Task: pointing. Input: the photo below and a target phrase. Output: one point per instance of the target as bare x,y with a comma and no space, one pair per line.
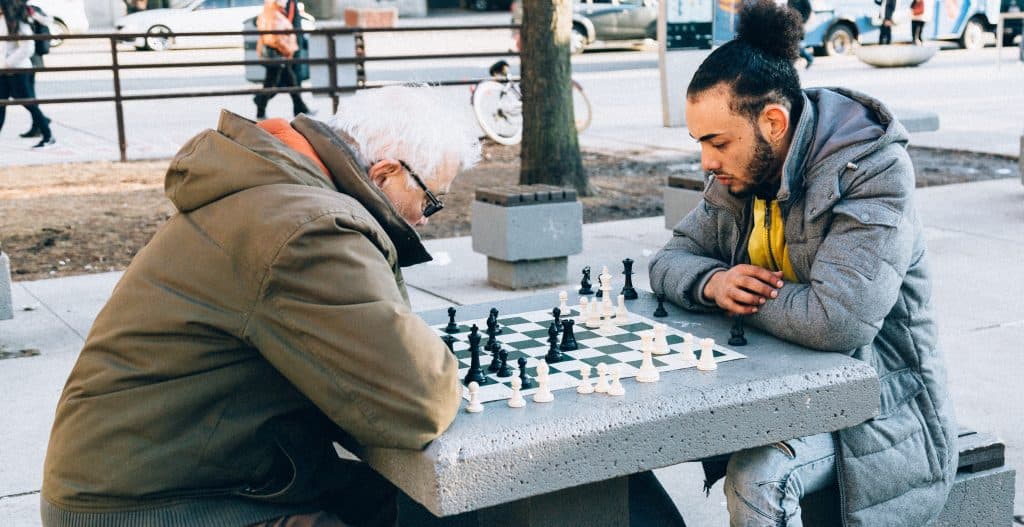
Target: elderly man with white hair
265,320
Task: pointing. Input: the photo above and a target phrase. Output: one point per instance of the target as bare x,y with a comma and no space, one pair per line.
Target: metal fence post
122,143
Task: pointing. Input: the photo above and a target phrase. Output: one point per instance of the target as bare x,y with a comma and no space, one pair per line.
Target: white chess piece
687,354
593,320
707,355
647,372
585,386
602,378
543,394
563,302
616,388
584,310
621,313
607,307
607,324
659,345
516,401
474,405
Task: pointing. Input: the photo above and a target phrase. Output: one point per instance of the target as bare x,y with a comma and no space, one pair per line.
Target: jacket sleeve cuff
698,291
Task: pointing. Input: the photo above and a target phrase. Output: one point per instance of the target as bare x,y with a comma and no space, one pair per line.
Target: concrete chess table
568,461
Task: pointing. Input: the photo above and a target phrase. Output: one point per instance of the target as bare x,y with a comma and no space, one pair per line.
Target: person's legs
764,485
917,27
19,89
650,505
270,80
807,56
884,35
5,93
34,131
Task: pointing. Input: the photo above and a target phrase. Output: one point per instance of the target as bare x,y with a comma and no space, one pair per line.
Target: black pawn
554,355
450,342
497,326
585,286
475,373
557,315
568,337
660,311
504,370
736,337
495,359
523,376
452,327
627,290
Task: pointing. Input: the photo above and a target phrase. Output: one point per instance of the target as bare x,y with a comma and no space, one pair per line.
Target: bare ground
62,220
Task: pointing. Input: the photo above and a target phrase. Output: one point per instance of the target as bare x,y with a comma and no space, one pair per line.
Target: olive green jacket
273,295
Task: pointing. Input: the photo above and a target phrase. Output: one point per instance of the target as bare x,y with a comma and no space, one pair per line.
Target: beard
763,169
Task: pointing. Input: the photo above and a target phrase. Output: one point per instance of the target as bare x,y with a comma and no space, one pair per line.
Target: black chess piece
736,337
556,313
627,290
585,286
450,342
660,311
492,332
495,359
475,373
452,327
554,355
523,376
568,336
504,370
497,326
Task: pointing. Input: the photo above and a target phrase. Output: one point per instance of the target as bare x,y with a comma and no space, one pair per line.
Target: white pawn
563,302
607,324
585,386
660,345
584,310
543,394
516,401
474,405
621,313
707,355
602,378
647,372
616,388
687,354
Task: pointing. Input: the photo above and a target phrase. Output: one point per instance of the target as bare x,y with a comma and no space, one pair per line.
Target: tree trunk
550,148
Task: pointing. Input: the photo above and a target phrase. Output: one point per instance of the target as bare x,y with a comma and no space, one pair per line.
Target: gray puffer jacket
856,244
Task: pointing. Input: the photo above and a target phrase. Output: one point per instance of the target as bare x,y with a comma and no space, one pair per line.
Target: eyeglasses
433,205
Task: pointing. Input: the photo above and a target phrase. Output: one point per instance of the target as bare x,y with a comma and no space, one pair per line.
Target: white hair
412,123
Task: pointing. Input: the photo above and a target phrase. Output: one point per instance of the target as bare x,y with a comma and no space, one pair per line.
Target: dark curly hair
758,63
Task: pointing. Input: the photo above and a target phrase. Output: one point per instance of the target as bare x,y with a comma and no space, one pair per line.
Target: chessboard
526,335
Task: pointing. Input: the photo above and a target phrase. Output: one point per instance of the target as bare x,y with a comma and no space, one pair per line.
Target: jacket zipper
767,234
839,479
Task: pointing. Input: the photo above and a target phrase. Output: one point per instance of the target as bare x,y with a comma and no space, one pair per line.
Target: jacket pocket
867,242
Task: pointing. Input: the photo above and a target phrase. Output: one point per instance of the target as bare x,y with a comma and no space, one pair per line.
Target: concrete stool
895,56
982,494
6,305
527,233
681,195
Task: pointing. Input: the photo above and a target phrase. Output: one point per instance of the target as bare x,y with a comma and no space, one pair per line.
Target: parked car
68,17
593,21
161,25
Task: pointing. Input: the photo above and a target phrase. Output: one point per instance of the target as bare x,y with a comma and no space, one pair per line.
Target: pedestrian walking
886,9
14,20
918,17
279,15
38,19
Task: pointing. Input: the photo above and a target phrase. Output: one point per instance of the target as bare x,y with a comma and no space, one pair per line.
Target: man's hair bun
774,29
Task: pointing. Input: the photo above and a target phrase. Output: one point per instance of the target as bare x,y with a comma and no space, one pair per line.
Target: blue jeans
763,485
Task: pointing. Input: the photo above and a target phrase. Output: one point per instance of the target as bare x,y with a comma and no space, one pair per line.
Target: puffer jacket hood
239,155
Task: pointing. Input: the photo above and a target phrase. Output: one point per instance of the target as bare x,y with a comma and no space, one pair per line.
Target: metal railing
331,61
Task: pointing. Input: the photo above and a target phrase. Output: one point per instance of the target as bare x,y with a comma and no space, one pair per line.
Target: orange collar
283,131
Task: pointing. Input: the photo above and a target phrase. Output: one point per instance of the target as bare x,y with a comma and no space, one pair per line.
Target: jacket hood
239,155
837,126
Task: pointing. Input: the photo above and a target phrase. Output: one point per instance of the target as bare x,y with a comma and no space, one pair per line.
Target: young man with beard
808,229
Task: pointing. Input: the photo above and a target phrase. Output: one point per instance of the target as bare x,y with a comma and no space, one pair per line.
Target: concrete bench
6,305
527,233
681,195
982,494
895,56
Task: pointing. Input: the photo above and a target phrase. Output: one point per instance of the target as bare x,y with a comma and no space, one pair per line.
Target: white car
68,17
192,16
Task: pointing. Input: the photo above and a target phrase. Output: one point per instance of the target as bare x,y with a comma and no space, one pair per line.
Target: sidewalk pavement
976,246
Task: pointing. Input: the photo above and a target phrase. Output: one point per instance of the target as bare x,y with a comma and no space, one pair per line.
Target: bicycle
498,106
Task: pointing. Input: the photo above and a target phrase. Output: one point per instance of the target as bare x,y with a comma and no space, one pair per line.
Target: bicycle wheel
499,112
580,107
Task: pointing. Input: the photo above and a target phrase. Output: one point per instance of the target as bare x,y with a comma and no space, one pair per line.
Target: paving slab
75,300
20,511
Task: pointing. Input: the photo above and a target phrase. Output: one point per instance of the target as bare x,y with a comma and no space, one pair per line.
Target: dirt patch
62,220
